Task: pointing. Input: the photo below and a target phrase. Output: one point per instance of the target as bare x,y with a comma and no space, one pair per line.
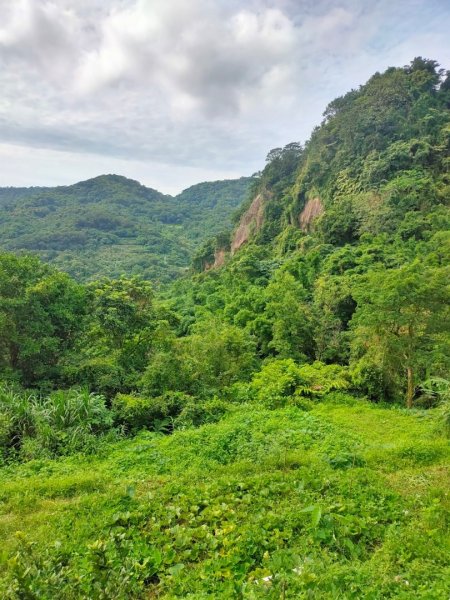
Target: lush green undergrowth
346,500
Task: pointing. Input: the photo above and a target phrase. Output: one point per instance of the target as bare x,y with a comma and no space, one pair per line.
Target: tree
332,309
215,356
113,349
401,323
41,311
290,316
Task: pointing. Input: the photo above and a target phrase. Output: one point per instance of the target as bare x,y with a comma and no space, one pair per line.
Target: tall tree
401,323
41,311
290,316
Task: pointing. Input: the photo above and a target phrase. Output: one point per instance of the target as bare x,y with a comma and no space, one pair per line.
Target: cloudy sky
173,92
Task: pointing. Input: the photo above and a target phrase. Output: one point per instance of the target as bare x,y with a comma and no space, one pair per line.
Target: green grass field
348,500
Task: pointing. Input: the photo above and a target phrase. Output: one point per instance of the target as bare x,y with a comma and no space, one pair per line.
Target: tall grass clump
437,390
64,422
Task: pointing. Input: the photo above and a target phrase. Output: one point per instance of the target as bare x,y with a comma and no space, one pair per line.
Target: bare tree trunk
410,390
13,355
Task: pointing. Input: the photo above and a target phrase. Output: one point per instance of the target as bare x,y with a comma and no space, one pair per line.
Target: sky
174,92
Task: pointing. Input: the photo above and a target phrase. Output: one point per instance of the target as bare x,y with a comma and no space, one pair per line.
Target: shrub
283,381
320,379
275,383
72,408
136,412
69,421
17,420
370,380
64,422
99,373
195,414
438,389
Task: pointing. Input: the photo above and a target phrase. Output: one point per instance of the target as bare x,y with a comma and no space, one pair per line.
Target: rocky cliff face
251,221
219,258
312,210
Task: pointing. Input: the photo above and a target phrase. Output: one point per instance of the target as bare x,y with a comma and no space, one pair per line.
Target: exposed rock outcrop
313,209
219,260
251,221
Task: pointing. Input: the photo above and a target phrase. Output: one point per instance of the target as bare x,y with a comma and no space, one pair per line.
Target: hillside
274,425
341,253
111,225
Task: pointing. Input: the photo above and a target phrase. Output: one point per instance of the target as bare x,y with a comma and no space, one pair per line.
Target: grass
344,501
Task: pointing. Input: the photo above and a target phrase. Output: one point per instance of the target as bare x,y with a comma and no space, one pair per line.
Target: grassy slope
353,497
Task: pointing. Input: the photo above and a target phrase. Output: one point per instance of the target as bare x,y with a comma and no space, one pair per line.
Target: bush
64,422
135,413
275,383
282,382
195,414
213,357
439,389
99,373
17,420
370,380
320,379
70,421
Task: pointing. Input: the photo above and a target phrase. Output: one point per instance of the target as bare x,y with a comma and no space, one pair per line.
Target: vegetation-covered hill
343,254
111,225
274,426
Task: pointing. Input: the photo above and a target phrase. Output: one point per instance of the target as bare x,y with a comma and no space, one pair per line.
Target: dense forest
111,225
272,424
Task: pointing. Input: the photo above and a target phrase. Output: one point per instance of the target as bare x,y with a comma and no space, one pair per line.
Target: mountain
342,253
112,225
377,165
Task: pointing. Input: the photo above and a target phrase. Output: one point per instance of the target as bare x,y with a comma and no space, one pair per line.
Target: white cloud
198,55
42,35
46,167
204,84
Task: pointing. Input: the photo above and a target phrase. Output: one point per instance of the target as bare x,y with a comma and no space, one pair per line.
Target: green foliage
281,166
118,332
196,413
349,287
438,390
282,381
276,383
135,413
277,480
40,315
290,317
399,322
213,357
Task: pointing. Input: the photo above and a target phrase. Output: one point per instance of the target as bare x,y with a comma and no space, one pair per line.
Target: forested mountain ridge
111,225
334,229
378,150
274,425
